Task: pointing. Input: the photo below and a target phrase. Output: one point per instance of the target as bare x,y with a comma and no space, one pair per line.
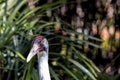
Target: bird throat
40,54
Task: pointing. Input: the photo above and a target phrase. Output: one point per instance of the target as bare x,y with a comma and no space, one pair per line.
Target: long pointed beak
32,52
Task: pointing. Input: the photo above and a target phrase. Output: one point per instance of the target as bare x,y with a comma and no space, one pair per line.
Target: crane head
40,44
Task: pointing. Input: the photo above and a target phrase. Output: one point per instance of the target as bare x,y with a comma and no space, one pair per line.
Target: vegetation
64,25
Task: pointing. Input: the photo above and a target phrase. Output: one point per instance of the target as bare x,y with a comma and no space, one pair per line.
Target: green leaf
54,74
20,55
68,71
12,16
85,70
30,69
35,75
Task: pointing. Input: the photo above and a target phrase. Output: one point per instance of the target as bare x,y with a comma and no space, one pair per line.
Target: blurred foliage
20,23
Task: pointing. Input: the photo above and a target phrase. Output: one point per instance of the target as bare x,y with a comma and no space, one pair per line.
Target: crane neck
43,66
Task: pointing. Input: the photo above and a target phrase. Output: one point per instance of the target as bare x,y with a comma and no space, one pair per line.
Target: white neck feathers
43,66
